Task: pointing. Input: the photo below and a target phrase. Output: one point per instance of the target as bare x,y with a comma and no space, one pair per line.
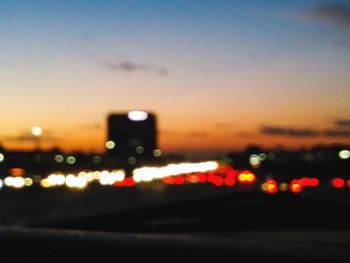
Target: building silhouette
132,136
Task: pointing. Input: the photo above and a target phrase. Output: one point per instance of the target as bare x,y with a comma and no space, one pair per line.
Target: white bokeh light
137,115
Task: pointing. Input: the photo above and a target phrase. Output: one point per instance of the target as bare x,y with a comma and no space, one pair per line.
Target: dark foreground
241,223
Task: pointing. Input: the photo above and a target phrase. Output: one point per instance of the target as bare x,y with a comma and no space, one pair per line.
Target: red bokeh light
168,180
231,172
120,184
338,182
270,186
304,181
296,186
179,180
192,178
314,182
202,178
129,182
211,178
230,180
218,181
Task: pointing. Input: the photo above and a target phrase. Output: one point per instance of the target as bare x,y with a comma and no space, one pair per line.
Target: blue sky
277,56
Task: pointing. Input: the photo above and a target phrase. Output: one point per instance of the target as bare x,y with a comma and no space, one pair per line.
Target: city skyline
219,76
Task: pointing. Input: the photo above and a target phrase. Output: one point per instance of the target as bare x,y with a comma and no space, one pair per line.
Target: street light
37,132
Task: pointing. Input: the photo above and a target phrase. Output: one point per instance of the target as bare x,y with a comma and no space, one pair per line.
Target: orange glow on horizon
202,138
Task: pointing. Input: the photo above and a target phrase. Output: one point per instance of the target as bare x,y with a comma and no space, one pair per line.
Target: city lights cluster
340,182
271,186
148,174
209,172
16,182
82,179
216,178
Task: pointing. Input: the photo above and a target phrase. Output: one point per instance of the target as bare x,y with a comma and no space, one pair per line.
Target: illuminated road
53,205
61,197
36,207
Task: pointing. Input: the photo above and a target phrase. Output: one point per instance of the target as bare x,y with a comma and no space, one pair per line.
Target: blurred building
132,136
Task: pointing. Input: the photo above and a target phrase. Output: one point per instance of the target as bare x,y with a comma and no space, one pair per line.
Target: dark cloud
305,132
128,66
288,131
337,133
333,14
342,123
29,137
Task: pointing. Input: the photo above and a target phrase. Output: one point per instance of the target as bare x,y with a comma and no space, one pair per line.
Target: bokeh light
37,131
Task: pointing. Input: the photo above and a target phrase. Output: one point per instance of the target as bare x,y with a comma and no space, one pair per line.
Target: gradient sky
219,74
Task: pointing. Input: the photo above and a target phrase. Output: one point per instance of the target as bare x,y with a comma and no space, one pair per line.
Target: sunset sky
219,74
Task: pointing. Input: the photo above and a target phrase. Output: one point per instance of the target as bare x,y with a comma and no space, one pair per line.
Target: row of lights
296,185
110,145
82,179
228,179
176,174
148,174
72,160
16,182
340,182
115,177
270,186
255,160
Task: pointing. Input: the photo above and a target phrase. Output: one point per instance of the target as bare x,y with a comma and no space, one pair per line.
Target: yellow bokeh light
28,181
45,183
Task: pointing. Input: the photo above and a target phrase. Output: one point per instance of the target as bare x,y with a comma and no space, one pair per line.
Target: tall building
132,136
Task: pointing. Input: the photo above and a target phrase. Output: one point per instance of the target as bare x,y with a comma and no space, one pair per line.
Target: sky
220,75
